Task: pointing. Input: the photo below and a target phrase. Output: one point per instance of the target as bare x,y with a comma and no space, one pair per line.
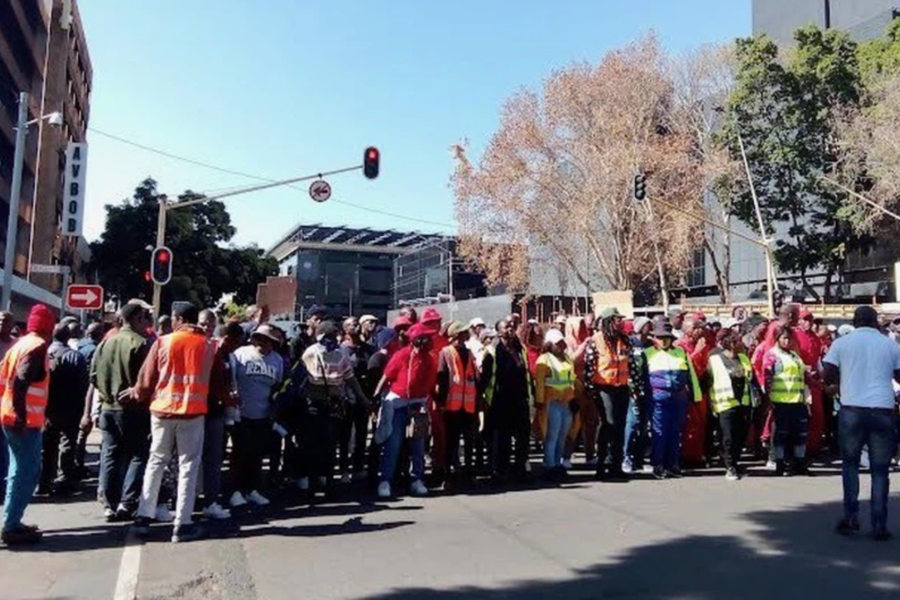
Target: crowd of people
357,400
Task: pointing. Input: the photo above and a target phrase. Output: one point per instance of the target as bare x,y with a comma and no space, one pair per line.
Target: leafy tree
786,116
203,268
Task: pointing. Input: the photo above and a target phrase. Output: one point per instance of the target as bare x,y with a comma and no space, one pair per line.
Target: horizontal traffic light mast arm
262,186
713,223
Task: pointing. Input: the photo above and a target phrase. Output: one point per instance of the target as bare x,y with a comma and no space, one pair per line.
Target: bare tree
559,171
702,79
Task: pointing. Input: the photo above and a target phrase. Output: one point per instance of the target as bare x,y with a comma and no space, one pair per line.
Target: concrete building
863,19
43,51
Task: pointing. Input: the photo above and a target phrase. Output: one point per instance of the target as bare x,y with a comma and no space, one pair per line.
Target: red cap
431,315
402,321
805,314
699,316
628,327
418,330
41,320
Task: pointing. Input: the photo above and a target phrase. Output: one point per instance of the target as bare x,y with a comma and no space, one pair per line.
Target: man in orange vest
175,380
457,394
24,382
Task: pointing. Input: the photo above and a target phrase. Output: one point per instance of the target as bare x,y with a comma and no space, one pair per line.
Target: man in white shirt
864,364
476,326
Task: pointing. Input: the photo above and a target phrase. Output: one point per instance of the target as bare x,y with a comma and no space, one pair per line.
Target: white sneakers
418,488
566,463
770,465
384,489
215,511
237,499
257,498
163,515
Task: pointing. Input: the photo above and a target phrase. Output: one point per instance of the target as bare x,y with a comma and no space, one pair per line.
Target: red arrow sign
84,297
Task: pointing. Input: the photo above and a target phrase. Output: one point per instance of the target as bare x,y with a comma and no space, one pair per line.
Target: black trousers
733,424
60,442
254,438
316,444
460,424
510,438
612,405
355,424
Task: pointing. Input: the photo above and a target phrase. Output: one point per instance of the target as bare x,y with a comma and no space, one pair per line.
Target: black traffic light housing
371,162
640,186
161,265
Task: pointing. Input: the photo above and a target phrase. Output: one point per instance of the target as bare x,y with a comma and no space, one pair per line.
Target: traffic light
161,265
640,186
371,160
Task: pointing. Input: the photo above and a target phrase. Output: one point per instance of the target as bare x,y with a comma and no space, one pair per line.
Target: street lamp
15,191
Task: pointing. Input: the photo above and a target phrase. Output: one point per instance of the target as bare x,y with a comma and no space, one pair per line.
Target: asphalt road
699,537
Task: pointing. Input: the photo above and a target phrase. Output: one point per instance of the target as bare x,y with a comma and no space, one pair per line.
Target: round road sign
320,190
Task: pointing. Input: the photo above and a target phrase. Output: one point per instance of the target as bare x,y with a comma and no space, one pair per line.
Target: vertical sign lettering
73,189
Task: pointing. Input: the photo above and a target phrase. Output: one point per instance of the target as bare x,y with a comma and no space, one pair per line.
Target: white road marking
129,569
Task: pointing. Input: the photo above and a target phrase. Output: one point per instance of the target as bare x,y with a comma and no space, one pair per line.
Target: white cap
554,336
477,322
845,329
560,320
367,318
640,323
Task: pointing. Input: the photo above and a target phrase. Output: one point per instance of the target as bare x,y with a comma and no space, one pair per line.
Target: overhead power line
213,167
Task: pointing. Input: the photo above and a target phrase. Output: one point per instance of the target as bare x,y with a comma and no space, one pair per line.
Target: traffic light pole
165,207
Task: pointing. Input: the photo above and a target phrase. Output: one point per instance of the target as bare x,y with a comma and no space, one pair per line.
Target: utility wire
257,178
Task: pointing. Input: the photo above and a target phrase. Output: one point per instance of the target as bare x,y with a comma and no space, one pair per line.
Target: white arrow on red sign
84,297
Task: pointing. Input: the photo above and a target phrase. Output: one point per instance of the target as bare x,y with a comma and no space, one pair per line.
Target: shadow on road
791,554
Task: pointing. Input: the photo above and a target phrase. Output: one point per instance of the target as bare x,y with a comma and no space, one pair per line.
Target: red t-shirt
411,375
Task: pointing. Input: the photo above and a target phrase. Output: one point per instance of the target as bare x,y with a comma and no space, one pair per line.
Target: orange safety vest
463,391
185,363
36,397
612,362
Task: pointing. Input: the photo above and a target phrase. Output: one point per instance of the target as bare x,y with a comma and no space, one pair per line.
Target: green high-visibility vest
721,395
788,385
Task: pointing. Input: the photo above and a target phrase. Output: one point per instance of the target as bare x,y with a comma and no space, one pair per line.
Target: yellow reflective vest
721,394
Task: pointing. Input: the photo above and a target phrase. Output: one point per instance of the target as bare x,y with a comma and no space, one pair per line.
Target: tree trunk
721,281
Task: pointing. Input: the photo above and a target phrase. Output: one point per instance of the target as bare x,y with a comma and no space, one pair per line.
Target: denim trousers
669,416
791,427
559,421
23,475
391,448
213,456
876,428
636,432
124,449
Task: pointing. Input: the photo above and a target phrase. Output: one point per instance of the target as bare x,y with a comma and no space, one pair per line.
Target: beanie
41,320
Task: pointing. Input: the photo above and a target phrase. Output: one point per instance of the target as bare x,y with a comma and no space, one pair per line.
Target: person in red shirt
411,377
697,342
809,348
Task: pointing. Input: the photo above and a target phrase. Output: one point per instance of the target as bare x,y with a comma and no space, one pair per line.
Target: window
696,274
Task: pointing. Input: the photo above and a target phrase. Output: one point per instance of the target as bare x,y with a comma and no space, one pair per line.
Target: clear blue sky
282,88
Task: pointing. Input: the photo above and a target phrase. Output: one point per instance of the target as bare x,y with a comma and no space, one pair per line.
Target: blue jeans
24,472
124,451
875,427
636,432
559,421
391,450
669,416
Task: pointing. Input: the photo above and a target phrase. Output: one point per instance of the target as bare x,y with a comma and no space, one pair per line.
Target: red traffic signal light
147,277
371,162
161,266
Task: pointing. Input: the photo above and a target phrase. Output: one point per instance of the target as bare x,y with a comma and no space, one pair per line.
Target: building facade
43,52
863,19
346,269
